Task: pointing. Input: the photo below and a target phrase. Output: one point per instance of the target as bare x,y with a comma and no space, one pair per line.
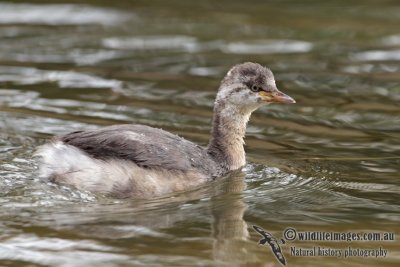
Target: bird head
249,86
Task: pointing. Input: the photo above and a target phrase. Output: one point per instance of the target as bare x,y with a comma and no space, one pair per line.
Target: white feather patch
68,164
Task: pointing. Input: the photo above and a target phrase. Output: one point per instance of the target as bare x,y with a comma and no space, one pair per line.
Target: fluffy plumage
141,161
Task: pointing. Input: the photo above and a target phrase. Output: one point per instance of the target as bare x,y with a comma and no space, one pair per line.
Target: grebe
140,161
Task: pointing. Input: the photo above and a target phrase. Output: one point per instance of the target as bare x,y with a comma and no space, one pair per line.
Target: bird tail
58,160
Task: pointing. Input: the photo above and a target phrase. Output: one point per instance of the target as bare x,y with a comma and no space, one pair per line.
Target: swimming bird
140,161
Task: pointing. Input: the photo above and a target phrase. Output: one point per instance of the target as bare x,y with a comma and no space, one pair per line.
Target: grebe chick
140,161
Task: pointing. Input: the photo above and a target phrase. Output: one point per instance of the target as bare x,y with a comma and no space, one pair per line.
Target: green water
328,163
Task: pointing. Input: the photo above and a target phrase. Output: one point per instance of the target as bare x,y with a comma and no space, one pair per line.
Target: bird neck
228,130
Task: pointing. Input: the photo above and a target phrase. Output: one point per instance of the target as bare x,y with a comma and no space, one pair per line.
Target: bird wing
276,249
146,146
261,231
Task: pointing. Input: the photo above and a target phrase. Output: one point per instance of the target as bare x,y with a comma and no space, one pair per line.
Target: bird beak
276,96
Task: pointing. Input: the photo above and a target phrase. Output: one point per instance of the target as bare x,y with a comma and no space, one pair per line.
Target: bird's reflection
151,218
229,230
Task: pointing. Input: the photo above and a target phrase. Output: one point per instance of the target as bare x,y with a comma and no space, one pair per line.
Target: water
328,163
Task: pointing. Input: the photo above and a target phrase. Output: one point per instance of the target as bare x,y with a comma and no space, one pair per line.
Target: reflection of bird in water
273,242
141,161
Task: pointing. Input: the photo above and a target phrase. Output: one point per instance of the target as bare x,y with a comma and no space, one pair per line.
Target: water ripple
58,252
186,43
43,125
267,47
64,79
377,55
392,40
60,14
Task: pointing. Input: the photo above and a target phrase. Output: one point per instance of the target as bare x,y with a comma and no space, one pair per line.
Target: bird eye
255,88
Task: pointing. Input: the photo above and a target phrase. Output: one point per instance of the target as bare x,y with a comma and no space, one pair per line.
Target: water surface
328,163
